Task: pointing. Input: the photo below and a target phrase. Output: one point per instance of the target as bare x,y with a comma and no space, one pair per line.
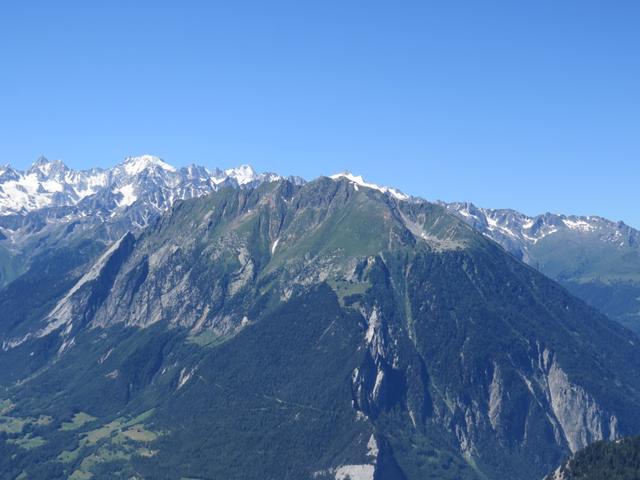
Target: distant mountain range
148,179
48,202
234,325
596,259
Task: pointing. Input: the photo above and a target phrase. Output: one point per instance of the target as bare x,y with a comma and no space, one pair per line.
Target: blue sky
529,105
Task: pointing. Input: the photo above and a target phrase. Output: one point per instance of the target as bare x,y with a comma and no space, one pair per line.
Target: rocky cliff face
579,416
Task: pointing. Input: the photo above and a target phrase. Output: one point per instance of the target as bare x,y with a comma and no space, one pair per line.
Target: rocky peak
136,165
45,168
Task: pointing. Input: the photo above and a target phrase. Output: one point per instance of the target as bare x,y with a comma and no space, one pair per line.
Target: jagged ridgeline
305,331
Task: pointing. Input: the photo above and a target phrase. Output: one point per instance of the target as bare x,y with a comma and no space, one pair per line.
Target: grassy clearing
92,437
208,338
80,475
103,455
78,421
42,420
111,442
139,419
28,442
11,425
203,338
69,456
344,288
140,434
117,428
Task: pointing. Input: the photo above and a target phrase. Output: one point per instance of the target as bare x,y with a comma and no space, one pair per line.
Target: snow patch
52,186
128,195
372,447
578,225
357,180
185,376
273,247
355,472
360,416
378,384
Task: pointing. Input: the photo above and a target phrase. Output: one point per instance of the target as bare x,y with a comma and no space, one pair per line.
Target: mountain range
596,259
224,324
49,201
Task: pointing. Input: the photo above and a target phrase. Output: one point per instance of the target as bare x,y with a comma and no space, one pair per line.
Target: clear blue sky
531,105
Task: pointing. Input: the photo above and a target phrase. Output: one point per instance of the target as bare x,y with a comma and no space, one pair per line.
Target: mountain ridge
595,258
245,174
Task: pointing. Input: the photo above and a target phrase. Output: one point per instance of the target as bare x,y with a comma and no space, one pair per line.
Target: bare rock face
558,474
93,288
581,418
496,394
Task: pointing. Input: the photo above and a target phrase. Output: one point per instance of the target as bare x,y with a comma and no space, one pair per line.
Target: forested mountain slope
322,330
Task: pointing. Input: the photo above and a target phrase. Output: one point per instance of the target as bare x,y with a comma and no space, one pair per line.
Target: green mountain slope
606,275
596,259
315,331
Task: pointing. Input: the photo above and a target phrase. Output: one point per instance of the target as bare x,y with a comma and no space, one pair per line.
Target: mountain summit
358,181
135,165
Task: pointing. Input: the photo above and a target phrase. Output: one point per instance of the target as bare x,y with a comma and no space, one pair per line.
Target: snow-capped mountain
45,184
49,183
50,204
145,179
146,185
597,259
519,233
